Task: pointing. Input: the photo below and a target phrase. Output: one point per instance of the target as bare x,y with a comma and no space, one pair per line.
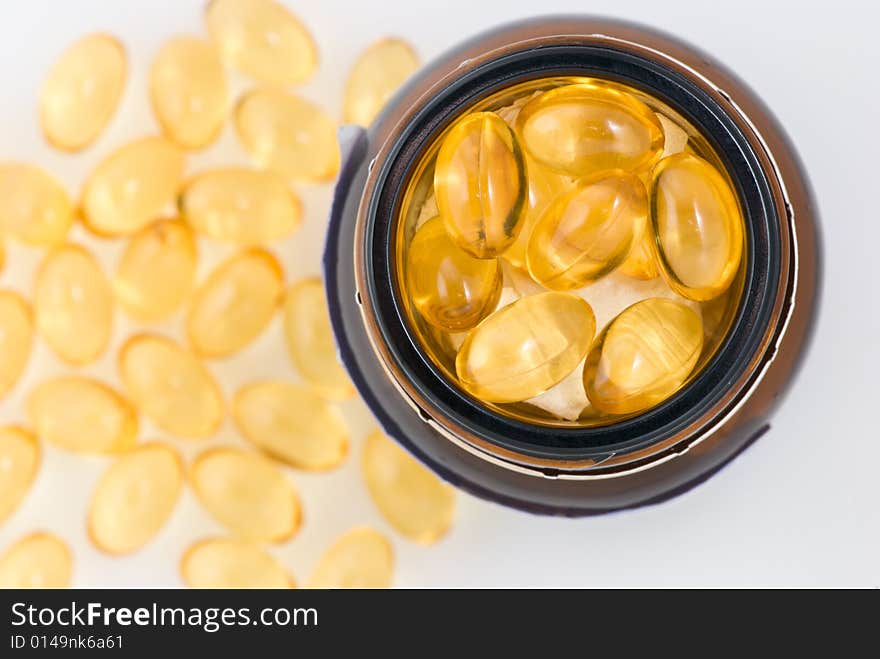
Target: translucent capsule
588,231
73,305
643,356
525,348
134,498
80,414
220,563
247,493
171,386
240,205
34,208
82,91
698,226
586,128
288,135
379,71
19,461
450,288
156,271
361,558
641,263
235,304
292,424
16,338
188,91
132,186
310,342
480,184
262,39
39,560
412,499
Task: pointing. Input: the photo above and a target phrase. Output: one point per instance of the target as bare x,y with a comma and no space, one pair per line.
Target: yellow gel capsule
188,91
247,493
80,414
587,232
379,71
360,558
262,39
292,424
16,338
134,498
480,184
73,305
525,348
132,186
171,386
643,356
310,342
82,91
240,205
450,288
698,226
218,563
641,263
19,461
40,560
34,208
411,498
235,304
587,128
156,271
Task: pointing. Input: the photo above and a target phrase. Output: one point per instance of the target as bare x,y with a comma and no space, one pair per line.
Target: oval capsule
188,91
698,226
450,288
590,127
360,558
19,462
480,184
262,39
292,424
235,303
378,72
81,414
73,305
34,208
240,205
132,186
247,493
588,231
220,563
525,348
643,356
411,498
39,560
171,386
16,338
82,91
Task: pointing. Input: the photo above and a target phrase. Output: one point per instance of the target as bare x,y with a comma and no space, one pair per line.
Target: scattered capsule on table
526,347
156,271
188,91
379,71
235,303
641,262
360,558
134,498
247,493
227,563
73,304
310,342
39,560
83,415
411,498
262,39
240,205
698,226
19,462
169,385
16,338
132,186
82,91
288,135
34,208
643,356
480,184
450,288
590,127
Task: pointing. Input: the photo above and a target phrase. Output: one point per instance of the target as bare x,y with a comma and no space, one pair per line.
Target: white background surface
800,508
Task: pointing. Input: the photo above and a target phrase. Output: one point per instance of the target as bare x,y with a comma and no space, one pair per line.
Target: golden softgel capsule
376,75
19,462
34,207
16,338
225,563
39,560
360,558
